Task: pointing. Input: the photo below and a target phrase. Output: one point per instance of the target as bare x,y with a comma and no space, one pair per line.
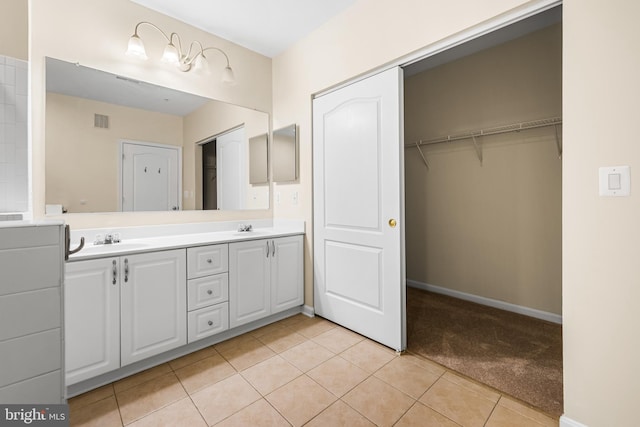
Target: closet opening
483,207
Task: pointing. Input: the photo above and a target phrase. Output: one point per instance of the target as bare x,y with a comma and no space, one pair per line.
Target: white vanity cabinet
207,291
265,277
92,318
121,310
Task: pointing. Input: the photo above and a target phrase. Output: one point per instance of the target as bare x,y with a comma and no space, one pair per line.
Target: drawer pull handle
115,273
210,292
210,323
209,260
126,270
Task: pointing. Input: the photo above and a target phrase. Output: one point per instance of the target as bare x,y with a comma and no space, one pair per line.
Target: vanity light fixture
194,59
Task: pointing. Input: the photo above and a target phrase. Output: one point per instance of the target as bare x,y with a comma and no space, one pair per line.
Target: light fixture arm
135,31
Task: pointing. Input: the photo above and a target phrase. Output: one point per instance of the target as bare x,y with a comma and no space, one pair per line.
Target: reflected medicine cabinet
258,159
284,152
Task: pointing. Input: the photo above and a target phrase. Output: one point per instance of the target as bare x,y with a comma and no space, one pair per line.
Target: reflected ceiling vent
101,121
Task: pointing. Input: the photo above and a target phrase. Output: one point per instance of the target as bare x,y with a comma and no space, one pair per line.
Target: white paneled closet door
359,271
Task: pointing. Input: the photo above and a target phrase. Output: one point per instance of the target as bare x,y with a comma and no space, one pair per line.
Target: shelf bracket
558,142
424,159
478,146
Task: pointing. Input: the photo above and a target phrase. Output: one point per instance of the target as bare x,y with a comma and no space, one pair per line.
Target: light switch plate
615,181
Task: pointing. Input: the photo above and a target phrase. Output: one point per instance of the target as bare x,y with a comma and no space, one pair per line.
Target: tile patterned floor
299,371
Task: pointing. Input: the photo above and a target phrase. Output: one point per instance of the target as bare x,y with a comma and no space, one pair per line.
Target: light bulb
227,76
201,65
135,47
170,54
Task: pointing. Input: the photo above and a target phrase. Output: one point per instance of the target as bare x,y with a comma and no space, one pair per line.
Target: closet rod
516,127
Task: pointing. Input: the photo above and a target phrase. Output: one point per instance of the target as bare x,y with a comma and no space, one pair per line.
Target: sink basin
91,249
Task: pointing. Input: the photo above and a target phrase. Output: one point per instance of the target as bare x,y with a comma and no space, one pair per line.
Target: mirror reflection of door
229,175
150,177
209,181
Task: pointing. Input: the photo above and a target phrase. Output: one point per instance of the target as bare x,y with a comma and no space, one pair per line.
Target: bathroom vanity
163,292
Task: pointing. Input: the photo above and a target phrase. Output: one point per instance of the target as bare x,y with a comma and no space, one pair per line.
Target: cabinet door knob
209,291
209,260
210,323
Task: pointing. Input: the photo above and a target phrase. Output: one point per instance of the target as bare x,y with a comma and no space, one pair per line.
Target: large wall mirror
117,144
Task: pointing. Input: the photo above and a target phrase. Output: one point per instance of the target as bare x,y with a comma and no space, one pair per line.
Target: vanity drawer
206,260
207,291
208,321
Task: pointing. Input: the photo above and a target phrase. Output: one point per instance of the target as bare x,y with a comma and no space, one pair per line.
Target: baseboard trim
568,422
527,311
307,310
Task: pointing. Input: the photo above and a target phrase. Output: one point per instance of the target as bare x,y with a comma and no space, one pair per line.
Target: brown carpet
518,355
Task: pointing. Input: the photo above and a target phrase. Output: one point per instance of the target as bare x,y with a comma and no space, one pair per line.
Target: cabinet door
153,304
91,318
249,296
287,277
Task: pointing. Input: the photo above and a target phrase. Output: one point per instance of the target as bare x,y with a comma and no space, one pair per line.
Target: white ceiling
264,26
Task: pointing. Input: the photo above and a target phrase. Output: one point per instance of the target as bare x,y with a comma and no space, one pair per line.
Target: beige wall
92,186
492,229
95,33
600,235
212,119
14,34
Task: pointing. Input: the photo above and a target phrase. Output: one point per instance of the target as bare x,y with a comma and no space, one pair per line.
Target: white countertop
146,239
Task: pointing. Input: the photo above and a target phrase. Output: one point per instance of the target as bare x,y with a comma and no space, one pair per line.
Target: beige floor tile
338,375
407,376
312,326
269,375
292,320
425,364
338,339
224,398
339,414
257,333
190,358
504,417
471,385
142,399
458,403
204,373
420,416
300,400
368,355
258,414
141,377
282,339
229,344
183,413
246,353
102,413
526,411
378,401
307,355
91,397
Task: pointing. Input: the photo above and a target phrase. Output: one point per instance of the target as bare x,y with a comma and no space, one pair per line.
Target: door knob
392,223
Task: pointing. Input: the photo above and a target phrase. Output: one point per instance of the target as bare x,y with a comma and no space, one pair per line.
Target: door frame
493,24
121,144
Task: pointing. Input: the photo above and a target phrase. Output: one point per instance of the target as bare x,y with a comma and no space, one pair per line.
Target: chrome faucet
245,227
109,239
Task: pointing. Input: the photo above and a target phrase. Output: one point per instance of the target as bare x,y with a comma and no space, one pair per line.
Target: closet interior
483,204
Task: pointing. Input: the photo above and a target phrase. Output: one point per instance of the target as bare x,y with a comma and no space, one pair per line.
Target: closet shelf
474,135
